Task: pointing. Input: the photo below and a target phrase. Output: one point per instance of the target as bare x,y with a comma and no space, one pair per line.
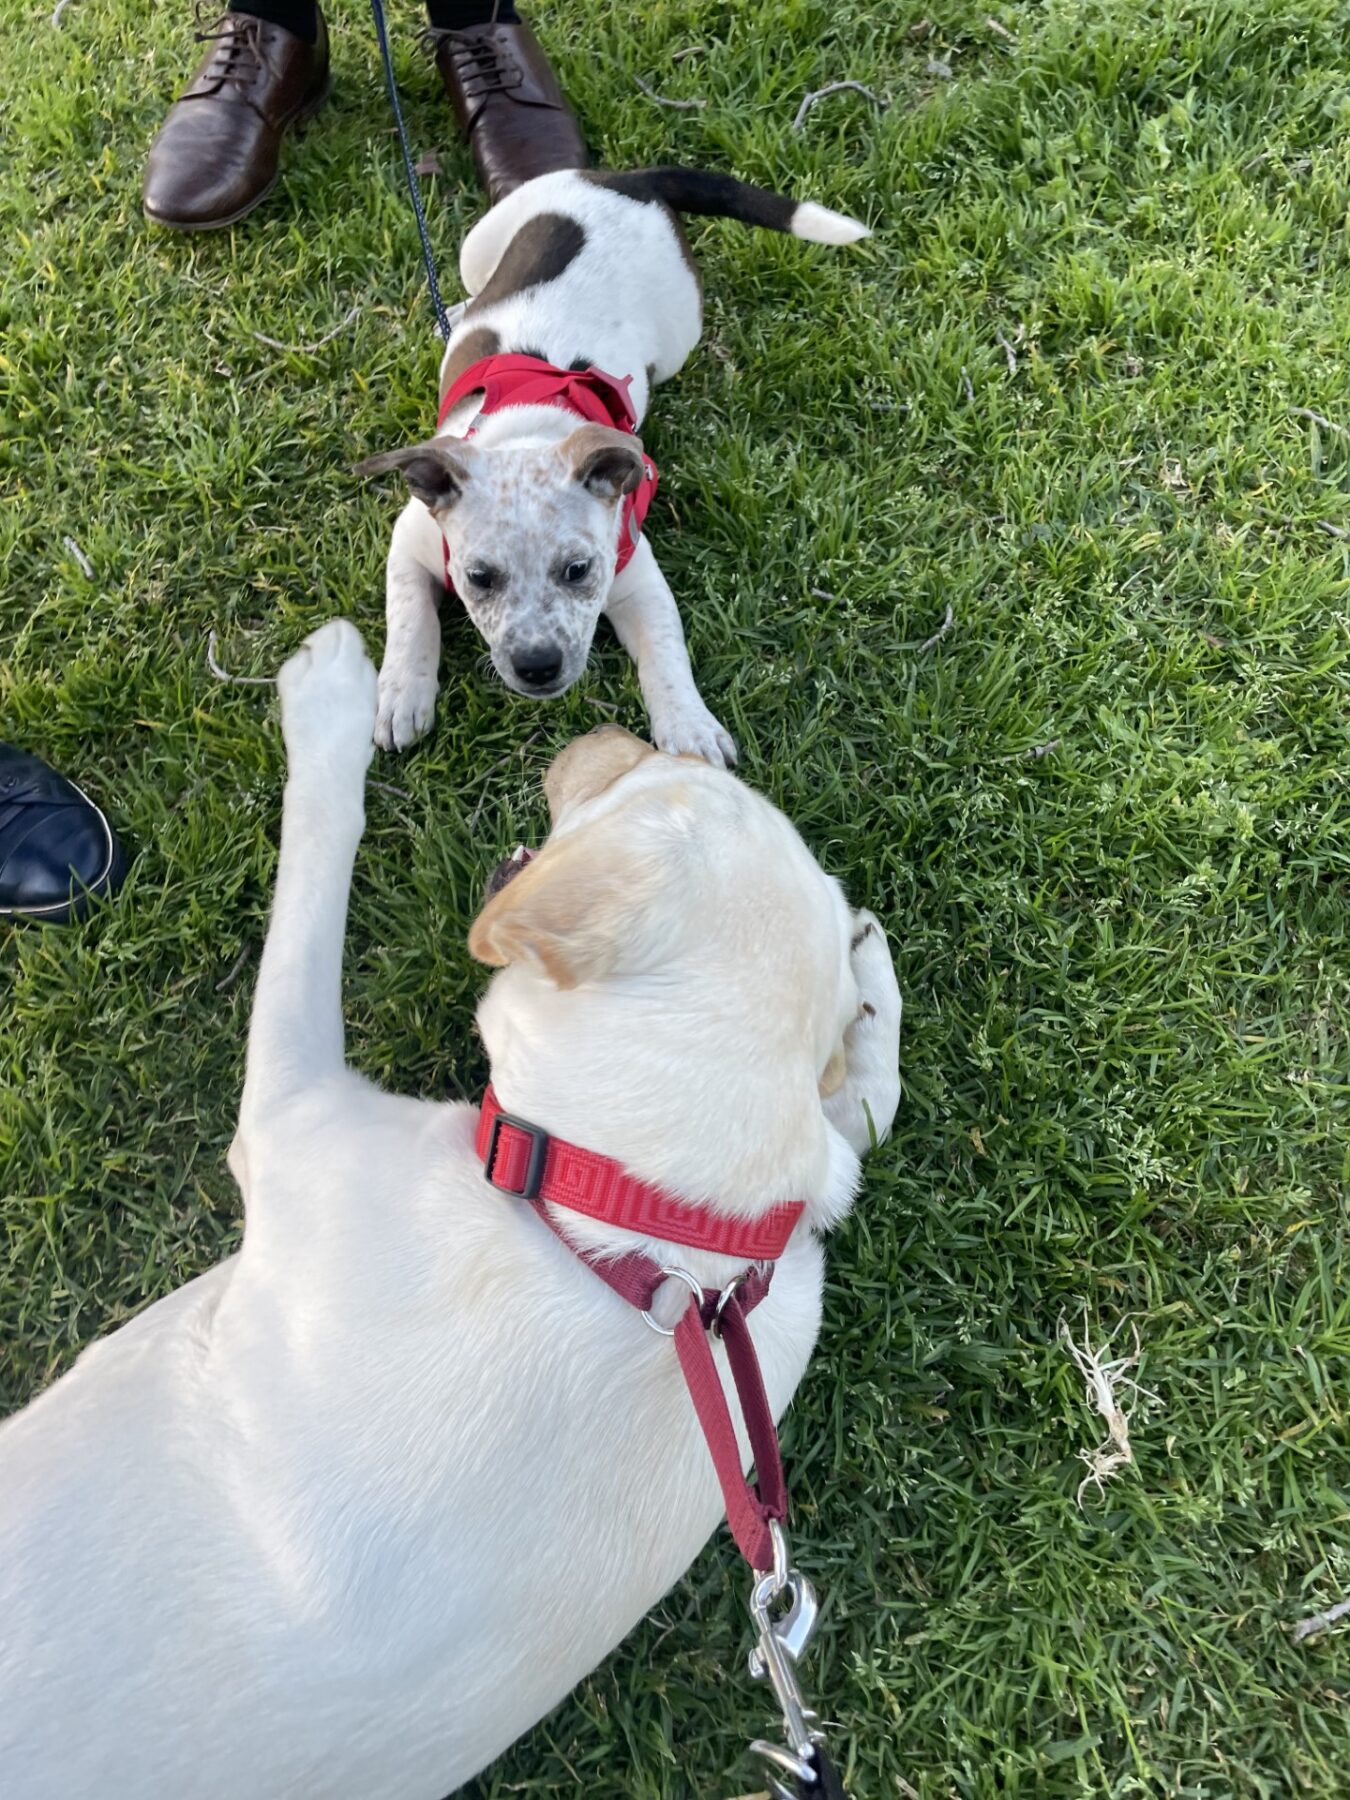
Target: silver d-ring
724,1298
694,1288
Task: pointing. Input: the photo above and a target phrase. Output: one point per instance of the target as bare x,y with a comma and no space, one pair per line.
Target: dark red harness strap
750,1506
519,1159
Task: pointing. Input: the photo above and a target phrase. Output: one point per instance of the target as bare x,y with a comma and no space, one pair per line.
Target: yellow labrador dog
347,1514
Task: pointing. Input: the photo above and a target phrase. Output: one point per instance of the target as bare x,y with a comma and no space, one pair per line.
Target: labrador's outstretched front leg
864,1108
327,712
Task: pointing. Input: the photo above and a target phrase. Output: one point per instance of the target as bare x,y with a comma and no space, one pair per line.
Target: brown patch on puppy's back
472,347
538,253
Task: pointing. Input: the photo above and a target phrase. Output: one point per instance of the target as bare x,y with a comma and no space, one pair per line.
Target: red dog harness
593,396
520,1159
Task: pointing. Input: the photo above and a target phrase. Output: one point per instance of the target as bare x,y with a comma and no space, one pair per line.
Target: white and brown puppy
582,270
344,1516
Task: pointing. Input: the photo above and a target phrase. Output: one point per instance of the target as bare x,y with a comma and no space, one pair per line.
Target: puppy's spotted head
533,539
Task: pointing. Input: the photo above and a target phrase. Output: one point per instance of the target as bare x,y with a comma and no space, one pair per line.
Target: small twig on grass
823,594
836,87
1306,412
224,674
688,51
235,970
1034,754
57,10
86,567
1292,524
940,633
1009,349
660,99
387,787
1000,30
306,349
1307,1628
603,705
1101,1379
970,386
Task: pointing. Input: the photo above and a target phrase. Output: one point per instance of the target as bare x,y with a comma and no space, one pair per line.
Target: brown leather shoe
509,105
217,152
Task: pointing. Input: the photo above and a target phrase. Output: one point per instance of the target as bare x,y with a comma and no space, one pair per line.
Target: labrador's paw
407,707
327,694
864,1107
689,729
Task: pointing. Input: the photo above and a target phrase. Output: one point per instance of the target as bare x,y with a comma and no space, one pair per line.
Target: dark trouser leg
298,16
459,15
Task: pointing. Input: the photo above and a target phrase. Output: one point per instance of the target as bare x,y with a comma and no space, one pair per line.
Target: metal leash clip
782,1638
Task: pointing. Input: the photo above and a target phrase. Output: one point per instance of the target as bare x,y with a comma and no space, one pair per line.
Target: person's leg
299,17
504,92
217,153
459,15
56,848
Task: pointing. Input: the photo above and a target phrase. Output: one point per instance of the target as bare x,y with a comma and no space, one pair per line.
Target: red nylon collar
521,1159
593,396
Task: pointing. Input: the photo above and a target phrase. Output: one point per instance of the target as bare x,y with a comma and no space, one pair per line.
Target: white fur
630,303
343,1517
821,226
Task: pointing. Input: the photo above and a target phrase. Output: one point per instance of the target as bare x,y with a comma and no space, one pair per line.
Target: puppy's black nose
539,666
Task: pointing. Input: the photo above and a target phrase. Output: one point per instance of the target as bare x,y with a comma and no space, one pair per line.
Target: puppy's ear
573,910
606,462
437,471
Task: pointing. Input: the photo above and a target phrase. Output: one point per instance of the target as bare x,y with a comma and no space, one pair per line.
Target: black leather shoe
57,851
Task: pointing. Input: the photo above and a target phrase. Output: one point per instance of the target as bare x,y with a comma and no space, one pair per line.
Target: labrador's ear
834,1072
590,764
576,910
437,471
607,463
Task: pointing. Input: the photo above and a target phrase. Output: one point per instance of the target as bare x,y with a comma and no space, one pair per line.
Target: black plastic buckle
534,1169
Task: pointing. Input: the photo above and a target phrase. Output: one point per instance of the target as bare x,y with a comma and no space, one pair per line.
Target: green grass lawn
1105,817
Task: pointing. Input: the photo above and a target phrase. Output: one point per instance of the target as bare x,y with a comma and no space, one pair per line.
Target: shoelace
239,57
483,67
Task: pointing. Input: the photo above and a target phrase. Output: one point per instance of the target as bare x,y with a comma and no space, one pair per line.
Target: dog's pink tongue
508,869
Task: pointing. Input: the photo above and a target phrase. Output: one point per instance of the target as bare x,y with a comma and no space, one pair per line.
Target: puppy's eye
576,571
481,577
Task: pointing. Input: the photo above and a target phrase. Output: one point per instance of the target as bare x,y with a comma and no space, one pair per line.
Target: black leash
827,1785
381,32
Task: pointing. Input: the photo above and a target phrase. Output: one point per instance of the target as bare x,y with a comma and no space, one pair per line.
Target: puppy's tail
723,197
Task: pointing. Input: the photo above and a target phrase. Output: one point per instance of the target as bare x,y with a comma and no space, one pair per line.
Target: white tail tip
818,225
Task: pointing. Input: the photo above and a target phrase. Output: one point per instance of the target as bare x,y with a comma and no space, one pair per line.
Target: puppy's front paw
407,706
864,1107
328,699
691,730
